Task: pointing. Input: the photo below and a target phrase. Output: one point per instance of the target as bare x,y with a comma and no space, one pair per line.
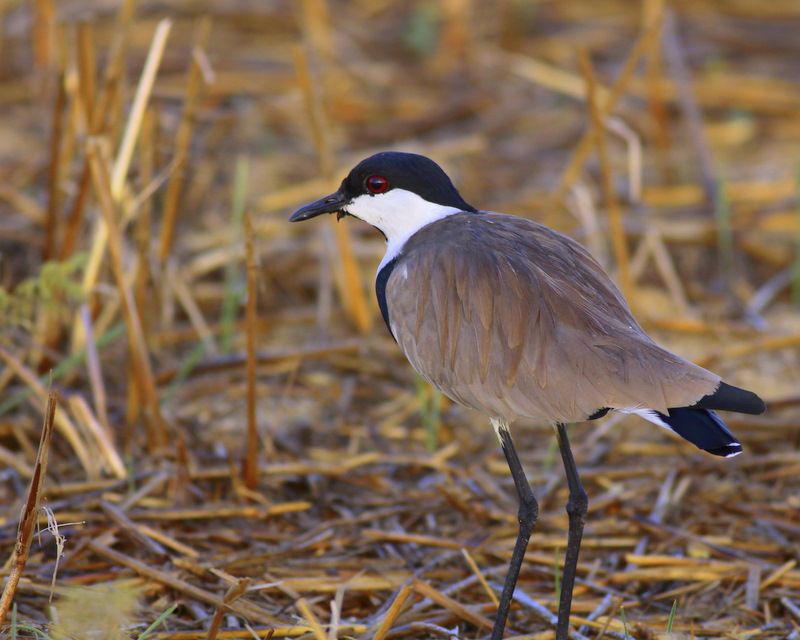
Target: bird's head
398,193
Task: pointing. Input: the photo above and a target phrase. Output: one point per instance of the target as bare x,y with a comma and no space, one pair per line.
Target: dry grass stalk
251,321
63,423
249,632
393,611
134,123
226,512
30,512
776,575
652,245
412,538
168,541
478,574
674,53
99,395
424,589
156,429
652,10
635,158
194,85
618,240
308,615
348,279
16,462
87,65
584,146
122,162
242,608
23,204
99,435
53,174
100,117
148,140
550,76
454,50
132,529
183,293
236,591
317,27
44,34
93,109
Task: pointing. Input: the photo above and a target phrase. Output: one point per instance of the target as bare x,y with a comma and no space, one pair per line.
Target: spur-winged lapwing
515,320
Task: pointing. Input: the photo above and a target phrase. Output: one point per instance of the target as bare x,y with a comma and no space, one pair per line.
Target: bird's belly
492,385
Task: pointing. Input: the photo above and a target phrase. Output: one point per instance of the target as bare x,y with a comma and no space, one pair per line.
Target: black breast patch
380,291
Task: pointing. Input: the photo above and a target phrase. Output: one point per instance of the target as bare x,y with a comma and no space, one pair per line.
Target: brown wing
516,320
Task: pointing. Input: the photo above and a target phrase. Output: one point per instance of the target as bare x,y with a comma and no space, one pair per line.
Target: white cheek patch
399,214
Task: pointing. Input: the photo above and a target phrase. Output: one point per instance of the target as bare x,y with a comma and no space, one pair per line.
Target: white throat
399,214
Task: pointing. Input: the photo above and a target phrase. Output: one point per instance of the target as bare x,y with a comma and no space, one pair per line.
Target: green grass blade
552,452
624,622
423,29
671,619
722,217
158,621
35,633
429,401
434,415
186,367
234,286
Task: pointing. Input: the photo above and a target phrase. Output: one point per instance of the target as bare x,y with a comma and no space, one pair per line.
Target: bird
511,318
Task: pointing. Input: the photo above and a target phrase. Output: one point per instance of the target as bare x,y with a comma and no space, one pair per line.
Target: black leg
527,514
577,505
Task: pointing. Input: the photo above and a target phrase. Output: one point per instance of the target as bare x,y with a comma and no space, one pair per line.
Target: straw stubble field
234,447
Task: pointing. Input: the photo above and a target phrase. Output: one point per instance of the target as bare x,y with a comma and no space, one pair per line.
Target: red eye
377,184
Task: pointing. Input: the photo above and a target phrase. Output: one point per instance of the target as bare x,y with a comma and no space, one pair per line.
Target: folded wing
514,319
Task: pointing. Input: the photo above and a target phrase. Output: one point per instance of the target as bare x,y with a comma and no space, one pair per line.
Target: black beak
329,204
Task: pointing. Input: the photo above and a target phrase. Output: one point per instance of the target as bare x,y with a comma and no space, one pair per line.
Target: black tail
730,398
704,429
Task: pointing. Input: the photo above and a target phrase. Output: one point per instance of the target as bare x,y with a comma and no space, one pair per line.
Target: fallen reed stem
30,512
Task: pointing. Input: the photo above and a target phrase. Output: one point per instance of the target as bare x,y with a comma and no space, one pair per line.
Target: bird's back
513,319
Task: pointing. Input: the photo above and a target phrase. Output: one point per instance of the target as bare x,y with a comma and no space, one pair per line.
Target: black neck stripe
380,291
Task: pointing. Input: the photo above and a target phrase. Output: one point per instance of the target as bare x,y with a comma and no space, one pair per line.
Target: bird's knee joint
578,504
528,512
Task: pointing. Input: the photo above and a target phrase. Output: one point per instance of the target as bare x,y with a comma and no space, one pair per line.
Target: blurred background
239,449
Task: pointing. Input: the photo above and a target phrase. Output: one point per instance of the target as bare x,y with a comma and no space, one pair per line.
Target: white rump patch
648,414
735,453
399,214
